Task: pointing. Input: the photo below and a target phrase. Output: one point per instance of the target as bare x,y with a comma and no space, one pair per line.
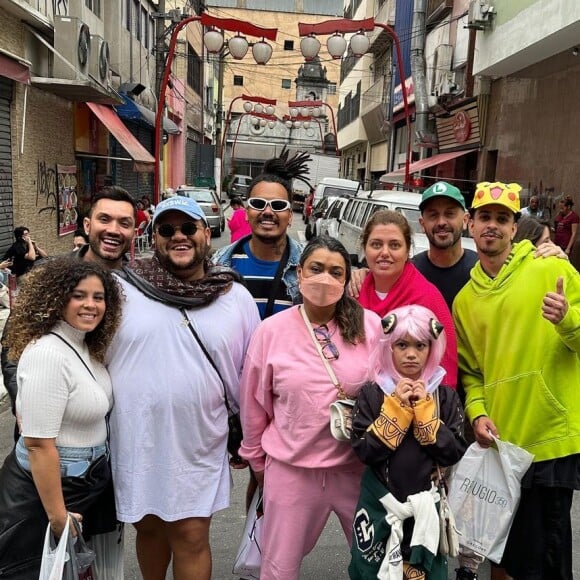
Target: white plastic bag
54,558
249,558
109,550
484,493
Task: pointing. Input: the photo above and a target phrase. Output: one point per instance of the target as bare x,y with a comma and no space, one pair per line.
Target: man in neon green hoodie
518,330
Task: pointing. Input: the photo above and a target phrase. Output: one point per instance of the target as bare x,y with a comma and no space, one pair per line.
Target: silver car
209,203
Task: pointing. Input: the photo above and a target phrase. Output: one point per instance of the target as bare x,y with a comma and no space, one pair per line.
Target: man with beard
178,352
518,330
446,264
268,257
110,226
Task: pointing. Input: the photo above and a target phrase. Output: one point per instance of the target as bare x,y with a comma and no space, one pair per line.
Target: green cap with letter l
442,189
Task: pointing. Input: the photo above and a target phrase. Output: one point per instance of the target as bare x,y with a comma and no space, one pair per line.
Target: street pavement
328,561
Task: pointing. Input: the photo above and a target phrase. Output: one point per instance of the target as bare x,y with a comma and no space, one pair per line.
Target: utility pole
159,71
219,125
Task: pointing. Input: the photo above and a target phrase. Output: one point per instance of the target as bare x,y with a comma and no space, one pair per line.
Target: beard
443,245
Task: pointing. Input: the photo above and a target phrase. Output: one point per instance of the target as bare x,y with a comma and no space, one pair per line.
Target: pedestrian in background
80,238
180,348
566,224
65,317
286,392
23,252
238,223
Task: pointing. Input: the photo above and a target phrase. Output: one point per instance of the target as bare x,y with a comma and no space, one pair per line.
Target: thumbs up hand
555,305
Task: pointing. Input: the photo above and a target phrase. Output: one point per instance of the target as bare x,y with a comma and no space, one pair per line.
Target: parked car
335,187
239,186
359,209
209,203
329,223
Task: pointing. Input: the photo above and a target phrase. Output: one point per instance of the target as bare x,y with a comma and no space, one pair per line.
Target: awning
13,69
133,111
424,164
144,161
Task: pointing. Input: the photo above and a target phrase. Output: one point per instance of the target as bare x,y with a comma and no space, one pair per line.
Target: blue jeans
74,461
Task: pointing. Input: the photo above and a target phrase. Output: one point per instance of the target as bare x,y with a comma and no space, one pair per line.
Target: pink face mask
322,289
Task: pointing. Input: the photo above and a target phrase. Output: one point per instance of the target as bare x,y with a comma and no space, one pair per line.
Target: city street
329,560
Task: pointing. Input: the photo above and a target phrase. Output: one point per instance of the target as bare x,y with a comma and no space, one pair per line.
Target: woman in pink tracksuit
285,396
238,223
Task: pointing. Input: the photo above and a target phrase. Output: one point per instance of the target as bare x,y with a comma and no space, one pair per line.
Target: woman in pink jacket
285,396
238,223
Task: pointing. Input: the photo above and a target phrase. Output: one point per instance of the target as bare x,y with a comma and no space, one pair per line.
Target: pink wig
416,321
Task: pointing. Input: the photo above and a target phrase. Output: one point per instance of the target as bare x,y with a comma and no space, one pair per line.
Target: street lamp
361,43
313,108
211,42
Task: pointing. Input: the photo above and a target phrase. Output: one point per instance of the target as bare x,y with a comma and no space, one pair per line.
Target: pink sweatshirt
285,392
239,226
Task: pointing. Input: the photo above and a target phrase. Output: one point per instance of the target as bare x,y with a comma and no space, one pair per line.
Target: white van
335,187
359,209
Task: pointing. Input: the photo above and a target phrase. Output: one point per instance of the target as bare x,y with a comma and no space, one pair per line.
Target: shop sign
461,127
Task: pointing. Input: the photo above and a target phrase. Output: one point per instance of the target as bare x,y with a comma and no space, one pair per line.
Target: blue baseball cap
185,205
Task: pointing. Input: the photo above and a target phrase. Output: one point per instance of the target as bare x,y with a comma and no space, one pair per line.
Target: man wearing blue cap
181,343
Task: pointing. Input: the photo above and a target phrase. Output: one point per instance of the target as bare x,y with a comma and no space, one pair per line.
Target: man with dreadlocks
180,348
268,257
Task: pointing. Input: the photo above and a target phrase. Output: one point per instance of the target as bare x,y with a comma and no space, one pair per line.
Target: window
286,83
193,69
288,45
238,81
144,28
94,6
127,14
332,88
135,22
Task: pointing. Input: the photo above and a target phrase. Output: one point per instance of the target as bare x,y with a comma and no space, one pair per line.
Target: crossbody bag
235,434
341,409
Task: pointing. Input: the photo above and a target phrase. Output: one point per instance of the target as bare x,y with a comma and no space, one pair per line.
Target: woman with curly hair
65,317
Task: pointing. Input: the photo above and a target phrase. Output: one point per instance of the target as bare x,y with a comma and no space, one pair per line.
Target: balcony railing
373,96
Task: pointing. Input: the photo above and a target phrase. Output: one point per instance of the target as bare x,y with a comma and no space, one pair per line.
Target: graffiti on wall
67,199
60,7
46,200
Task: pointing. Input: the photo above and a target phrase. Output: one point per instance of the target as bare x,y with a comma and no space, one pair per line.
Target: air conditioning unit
479,14
446,85
99,63
443,78
72,39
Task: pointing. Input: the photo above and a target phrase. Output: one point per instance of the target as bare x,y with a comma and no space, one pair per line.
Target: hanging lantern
263,122
336,45
304,112
254,120
297,124
288,124
306,124
259,108
359,44
238,47
262,52
309,47
294,112
247,106
270,110
316,112
213,41
271,124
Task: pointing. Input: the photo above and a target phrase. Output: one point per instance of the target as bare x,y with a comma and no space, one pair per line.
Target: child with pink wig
405,425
